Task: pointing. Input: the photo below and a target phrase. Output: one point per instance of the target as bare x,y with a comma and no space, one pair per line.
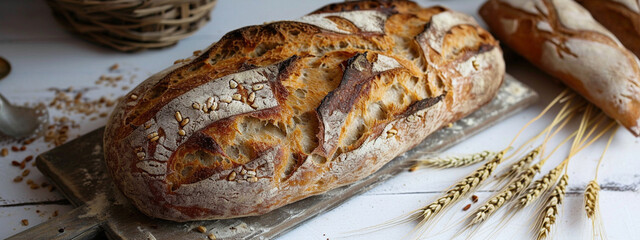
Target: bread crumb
113,67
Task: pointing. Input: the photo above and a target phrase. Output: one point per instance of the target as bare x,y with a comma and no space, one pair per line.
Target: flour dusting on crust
632,5
575,17
441,24
530,6
366,21
593,62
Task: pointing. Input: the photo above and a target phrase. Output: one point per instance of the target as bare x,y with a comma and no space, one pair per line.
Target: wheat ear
460,189
591,198
540,186
551,207
453,161
521,164
510,191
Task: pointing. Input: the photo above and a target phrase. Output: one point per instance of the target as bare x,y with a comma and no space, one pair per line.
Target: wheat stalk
510,191
460,189
591,198
540,186
453,161
521,164
550,212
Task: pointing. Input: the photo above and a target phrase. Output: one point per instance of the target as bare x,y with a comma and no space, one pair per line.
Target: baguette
621,17
562,38
275,113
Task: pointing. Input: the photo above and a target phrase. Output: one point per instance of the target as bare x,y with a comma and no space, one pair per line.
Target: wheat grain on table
46,61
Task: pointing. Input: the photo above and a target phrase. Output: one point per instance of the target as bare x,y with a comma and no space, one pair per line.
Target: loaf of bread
275,113
621,17
562,38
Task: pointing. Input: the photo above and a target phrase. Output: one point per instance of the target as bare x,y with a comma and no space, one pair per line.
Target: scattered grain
466,207
178,116
201,229
29,141
17,179
24,222
4,152
184,122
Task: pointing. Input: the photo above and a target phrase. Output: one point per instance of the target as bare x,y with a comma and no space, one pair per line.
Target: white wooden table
45,56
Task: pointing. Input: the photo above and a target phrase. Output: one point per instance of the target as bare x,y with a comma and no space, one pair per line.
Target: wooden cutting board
77,169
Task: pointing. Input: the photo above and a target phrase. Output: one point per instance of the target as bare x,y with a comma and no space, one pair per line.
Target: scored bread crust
621,17
562,38
275,113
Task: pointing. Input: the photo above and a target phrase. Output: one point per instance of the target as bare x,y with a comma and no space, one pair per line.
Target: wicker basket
132,25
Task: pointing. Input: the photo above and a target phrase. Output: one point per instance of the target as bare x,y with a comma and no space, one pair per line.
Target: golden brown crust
561,38
275,113
621,20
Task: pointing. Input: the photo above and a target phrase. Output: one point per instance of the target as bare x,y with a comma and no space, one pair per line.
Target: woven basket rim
129,25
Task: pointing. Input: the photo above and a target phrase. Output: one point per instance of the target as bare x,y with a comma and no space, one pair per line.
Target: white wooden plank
370,210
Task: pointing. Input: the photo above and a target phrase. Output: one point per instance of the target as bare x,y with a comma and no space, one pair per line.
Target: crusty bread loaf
563,39
275,113
621,17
